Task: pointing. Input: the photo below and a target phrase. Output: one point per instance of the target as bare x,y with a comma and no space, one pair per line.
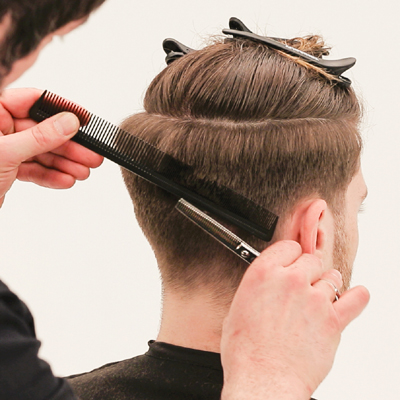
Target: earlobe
308,225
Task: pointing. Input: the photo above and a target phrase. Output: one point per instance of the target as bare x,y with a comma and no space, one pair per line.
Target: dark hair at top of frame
32,20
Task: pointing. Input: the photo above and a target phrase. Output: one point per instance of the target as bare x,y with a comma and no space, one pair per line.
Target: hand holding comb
157,167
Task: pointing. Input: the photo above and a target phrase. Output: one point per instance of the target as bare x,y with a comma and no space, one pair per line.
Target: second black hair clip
238,30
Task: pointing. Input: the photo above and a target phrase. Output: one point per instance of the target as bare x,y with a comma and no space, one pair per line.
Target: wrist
265,386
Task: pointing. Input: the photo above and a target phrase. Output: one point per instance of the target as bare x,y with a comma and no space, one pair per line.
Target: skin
38,153
195,321
25,63
262,351
279,336
312,225
260,314
255,343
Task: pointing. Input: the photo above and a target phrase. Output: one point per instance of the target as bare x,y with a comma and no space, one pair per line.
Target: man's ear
310,225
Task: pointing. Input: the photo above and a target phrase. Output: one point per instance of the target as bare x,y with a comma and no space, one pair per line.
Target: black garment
164,372
23,375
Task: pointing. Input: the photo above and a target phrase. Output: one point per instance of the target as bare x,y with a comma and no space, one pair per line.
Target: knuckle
335,276
297,279
319,297
311,259
259,271
281,247
30,176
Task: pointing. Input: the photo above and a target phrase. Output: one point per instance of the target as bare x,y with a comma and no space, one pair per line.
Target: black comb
157,167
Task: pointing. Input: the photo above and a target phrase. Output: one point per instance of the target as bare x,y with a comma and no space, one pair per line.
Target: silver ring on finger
337,295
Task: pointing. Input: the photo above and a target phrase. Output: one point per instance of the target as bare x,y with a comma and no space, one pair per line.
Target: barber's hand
283,329
39,153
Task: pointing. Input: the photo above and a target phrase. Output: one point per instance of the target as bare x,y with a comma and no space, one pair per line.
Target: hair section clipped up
306,51
250,117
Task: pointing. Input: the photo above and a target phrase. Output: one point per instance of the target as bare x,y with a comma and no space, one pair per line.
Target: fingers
308,267
288,253
15,104
39,153
305,268
283,266
351,304
333,276
330,283
69,150
282,253
52,161
19,101
79,154
39,139
45,177
278,255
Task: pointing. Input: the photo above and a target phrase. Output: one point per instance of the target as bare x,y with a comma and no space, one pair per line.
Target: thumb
351,304
44,137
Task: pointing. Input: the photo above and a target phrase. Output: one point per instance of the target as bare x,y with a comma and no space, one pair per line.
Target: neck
193,321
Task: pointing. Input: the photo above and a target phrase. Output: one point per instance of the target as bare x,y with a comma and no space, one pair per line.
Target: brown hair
32,20
254,120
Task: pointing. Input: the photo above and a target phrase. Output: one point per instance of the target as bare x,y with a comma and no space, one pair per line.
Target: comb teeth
102,136
157,167
52,104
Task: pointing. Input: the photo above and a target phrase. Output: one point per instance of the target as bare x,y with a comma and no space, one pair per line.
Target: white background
78,258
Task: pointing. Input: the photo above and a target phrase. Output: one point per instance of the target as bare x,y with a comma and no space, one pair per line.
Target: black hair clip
334,67
174,50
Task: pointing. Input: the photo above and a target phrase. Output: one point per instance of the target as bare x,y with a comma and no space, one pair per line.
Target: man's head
267,126
26,26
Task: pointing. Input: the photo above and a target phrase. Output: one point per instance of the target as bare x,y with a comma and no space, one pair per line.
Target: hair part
246,117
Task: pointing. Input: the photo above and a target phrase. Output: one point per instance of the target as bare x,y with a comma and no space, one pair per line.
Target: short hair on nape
249,118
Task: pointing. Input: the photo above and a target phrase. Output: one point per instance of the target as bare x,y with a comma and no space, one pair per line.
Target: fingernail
336,273
66,124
